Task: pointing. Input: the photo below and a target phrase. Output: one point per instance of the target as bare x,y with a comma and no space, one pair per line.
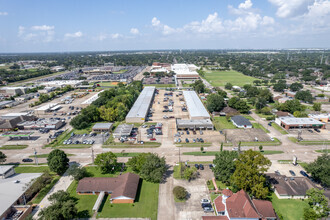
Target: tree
107,162
2,157
294,87
180,192
137,162
62,207
279,87
58,161
249,174
77,172
153,168
310,214
291,106
215,103
239,104
199,86
224,165
317,106
260,148
190,173
320,169
202,149
221,147
317,201
304,96
228,86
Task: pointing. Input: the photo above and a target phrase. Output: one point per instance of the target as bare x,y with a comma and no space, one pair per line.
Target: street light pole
35,156
92,155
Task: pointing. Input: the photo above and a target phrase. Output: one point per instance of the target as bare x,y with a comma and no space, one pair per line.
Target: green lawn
199,153
176,172
323,151
161,85
31,169
279,128
303,142
257,125
290,209
45,190
75,146
264,143
126,154
13,147
120,71
220,78
269,152
46,155
248,117
221,123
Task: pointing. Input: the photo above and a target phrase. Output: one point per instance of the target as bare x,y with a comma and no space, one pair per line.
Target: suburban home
241,122
228,111
239,205
122,188
290,187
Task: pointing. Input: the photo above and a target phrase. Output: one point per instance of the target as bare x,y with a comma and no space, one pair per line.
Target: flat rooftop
195,105
123,129
141,105
10,191
4,169
62,82
46,107
102,126
197,123
91,99
300,121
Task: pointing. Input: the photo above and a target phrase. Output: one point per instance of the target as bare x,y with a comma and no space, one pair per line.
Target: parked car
277,172
201,167
205,201
152,139
317,130
272,139
197,166
194,132
204,205
210,166
201,140
187,132
187,140
200,132
27,160
310,130
292,172
303,173
208,209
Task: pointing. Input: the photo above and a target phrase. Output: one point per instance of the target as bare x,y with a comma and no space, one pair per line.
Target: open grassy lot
279,128
290,209
124,154
220,78
323,151
303,142
248,117
145,206
46,155
269,152
257,125
13,147
120,71
161,85
221,123
31,169
199,153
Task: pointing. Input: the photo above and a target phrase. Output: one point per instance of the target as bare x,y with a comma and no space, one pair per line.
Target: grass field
290,209
279,128
46,155
257,125
220,78
303,142
145,206
221,123
270,152
199,153
126,154
120,71
31,169
13,147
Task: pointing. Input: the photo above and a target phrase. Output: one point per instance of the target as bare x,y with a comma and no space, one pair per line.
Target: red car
152,139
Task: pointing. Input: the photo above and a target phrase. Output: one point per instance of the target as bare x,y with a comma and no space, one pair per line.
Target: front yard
221,123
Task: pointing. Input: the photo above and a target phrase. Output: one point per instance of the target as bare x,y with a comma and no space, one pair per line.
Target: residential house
241,122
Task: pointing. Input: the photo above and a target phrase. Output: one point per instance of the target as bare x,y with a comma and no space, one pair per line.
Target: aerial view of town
165,110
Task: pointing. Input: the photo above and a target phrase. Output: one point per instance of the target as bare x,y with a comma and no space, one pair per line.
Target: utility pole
92,155
180,163
35,156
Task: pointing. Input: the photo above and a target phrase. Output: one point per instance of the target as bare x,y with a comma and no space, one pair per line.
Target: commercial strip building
50,123
62,83
102,127
320,117
7,104
195,106
241,122
293,123
45,108
185,71
140,109
91,99
12,189
200,124
123,130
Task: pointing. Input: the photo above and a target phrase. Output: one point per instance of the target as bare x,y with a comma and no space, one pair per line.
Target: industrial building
50,123
12,91
102,127
6,104
123,130
195,106
201,124
139,111
11,120
62,83
184,71
91,99
6,171
292,123
46,108
47,89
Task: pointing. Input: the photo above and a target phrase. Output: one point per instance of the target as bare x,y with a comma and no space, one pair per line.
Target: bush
180,192
269,118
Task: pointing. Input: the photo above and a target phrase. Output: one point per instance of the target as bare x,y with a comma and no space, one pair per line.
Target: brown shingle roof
218,204
214,217
265,208
229,110
239,205
123,185
227,192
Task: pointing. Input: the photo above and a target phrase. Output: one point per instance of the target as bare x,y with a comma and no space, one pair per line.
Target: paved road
166,207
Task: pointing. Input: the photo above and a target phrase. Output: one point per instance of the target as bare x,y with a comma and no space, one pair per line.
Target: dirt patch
246,135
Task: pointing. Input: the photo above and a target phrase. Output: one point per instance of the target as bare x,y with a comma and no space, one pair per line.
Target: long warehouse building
139,111
195,106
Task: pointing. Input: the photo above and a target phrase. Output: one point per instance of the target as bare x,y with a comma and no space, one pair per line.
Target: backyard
221,123
290,209
221,78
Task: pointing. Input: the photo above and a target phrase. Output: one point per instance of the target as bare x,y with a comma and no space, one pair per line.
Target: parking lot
92,138
246,135
284,168
311,135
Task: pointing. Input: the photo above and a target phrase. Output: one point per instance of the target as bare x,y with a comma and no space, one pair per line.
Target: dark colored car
201,167
27,160
292,173
197,166
201,140
317,130
206,205
187,132
303,173
277,172
211,166
187,140
310,130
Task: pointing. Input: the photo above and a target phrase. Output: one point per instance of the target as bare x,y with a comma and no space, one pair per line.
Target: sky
109,25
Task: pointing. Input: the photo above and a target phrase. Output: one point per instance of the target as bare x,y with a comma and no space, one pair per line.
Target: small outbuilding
241,122
102,127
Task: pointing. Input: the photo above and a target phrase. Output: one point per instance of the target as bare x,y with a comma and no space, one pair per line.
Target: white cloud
3,13
115,36
246,5
134,31
290,8
74,35
155,22
319,13
165,29
42,28
211,24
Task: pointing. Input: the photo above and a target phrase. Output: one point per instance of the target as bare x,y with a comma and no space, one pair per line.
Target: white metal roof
194,104
300,121
141,105
46,107
4,169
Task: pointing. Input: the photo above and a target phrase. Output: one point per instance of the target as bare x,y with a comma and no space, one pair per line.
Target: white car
272,139
205,201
